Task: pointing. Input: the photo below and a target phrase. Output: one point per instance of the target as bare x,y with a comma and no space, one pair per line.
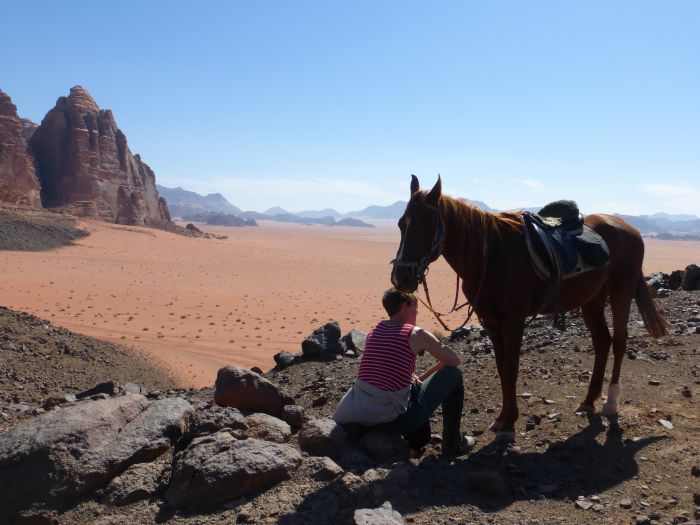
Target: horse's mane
471,216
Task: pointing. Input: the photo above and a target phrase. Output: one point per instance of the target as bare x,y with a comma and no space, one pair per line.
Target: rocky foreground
260,448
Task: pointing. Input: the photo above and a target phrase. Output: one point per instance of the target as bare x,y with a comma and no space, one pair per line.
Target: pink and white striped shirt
388,361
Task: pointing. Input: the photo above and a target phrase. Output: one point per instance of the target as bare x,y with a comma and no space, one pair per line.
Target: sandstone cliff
18,179
85,165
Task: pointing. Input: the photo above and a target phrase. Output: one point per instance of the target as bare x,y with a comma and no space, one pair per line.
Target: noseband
419,268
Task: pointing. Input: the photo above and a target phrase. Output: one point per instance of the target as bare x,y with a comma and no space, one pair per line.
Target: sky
308,105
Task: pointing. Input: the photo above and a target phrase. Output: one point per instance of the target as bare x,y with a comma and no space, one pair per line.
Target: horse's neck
464,240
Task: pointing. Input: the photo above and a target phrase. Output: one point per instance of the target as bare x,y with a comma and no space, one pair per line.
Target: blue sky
334,104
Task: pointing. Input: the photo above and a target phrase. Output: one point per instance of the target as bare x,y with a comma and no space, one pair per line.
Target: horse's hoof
609,410
585,409
496,426
504,438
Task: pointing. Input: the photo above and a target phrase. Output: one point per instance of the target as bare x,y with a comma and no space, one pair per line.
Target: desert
195,305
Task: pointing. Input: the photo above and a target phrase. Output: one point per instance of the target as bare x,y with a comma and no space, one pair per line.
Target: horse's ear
435,193
415,186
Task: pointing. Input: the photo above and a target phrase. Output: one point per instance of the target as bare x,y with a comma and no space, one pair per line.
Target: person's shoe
465,444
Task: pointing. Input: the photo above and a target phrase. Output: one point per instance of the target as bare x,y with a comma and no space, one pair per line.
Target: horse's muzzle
404,278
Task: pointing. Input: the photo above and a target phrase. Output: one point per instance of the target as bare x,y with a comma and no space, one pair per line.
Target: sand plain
197,304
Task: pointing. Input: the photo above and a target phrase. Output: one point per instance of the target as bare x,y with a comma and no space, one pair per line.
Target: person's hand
417,380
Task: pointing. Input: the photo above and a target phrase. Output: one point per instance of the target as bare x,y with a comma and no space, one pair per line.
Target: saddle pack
561,246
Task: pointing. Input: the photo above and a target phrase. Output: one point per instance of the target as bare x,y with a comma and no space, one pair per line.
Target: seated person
388,396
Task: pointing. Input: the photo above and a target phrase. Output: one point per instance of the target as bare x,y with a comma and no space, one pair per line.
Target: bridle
420,269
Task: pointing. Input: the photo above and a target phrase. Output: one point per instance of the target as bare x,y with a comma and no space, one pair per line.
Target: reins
420,267
470,311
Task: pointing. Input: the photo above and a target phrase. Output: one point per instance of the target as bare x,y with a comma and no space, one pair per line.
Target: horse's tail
655,322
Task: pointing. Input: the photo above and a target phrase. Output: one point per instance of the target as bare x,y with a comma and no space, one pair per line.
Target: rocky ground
40,364
35,231
565,468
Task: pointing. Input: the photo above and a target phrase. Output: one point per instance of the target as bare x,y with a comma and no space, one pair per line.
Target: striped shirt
388,361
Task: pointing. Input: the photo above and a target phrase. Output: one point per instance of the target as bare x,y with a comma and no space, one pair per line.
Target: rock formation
28,127
18,180
85,165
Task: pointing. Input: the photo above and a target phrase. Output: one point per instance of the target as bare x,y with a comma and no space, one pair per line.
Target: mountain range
183,202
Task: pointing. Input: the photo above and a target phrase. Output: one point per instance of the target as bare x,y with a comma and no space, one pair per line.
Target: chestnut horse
488,251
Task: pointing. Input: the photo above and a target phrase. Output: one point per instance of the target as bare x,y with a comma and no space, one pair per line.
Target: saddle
561,246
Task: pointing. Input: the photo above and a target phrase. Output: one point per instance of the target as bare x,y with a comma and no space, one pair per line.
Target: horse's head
422,234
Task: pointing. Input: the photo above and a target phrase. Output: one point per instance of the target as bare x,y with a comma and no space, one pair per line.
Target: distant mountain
661,216
276,210
182,202
393,211
328,212
661,225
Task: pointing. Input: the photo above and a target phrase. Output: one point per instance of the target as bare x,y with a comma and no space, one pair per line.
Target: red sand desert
199,304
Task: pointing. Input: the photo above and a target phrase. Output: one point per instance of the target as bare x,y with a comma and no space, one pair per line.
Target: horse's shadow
491,478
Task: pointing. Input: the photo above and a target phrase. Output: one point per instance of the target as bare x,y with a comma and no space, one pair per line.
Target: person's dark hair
393,299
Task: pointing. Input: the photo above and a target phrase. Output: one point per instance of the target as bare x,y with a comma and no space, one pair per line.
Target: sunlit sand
197,304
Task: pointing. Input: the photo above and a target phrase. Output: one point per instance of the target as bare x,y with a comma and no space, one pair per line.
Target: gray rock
657,280
384,515
324,342
219,467
284,359
134,388
72,450
265,426
244,389
322,437
323,468
138,482
293,415
626,503
384,447
584,504
216,418
354,341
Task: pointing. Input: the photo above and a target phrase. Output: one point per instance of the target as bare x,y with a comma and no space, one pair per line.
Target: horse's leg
620,302
497,342
594,317
512,334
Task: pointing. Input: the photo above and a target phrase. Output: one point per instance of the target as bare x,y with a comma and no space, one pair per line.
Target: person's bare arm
423,340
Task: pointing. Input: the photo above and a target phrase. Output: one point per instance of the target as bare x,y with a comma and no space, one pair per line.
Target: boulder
293,415
323,343
691,278
19,183
322,468
215,418
70,451
139,481
85,165
383,446
244,389
284,359
265,426
220,467
674,279
657,280
111,388
384,515
322,437
354,341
